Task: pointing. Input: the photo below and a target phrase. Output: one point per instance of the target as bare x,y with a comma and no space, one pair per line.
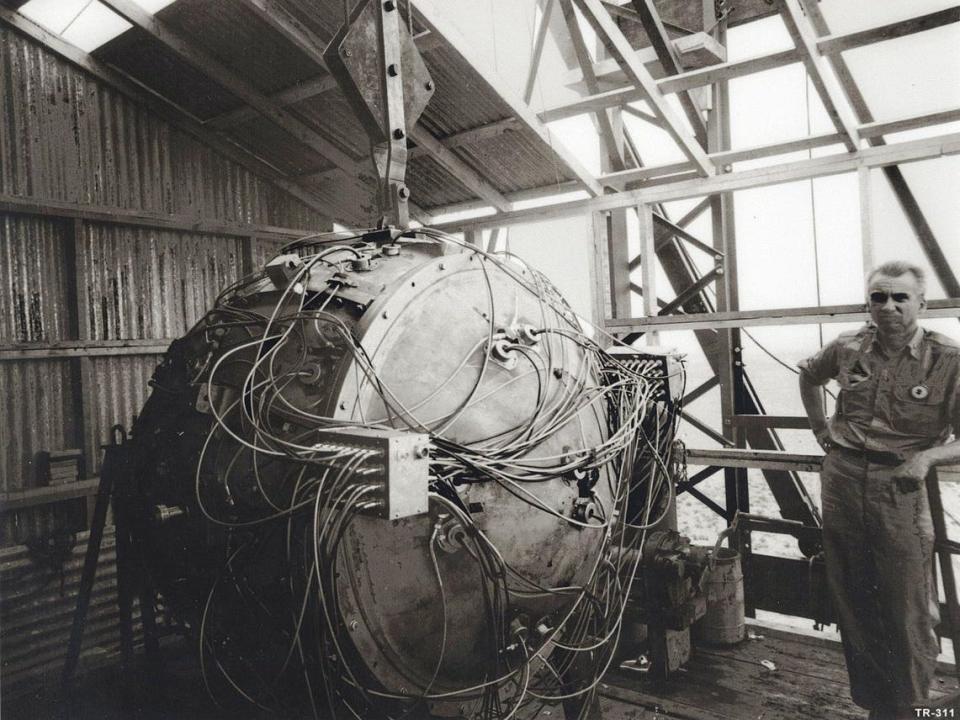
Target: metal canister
723,623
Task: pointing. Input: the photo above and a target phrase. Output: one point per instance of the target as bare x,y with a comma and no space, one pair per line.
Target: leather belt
877,457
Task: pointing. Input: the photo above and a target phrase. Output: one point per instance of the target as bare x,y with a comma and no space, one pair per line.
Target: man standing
899,403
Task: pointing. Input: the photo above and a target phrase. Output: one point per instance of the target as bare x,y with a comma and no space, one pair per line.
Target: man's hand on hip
910,475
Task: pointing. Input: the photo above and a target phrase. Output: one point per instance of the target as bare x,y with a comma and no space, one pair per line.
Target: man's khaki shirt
898,404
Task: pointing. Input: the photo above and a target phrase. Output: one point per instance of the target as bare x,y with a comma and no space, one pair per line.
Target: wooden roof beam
304,90
602,117
908,202
278,18
820,75
828,45
466,175
435,15
618,46
310,45
670,61
876,157
726,157
232,82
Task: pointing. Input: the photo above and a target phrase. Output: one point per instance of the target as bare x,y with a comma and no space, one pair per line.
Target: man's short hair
896,268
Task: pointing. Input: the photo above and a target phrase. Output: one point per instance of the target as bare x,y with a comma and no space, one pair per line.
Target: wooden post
866,218
648,266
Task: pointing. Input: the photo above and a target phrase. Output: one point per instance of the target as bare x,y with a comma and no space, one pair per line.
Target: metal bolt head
343,404
392,70
399,134
389,5
429,85
345,52
403,192
385,315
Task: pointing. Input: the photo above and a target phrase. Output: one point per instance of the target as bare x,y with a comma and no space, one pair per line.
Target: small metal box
402,459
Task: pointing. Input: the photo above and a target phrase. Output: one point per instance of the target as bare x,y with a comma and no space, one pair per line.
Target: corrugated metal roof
269,63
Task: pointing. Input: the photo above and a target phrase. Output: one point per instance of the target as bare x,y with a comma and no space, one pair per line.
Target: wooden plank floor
810,681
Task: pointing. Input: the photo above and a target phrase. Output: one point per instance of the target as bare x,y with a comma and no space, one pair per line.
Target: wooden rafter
289,96
908,202
164,109
868,130
830,95
876,157
309,88
827,44
450,162
537,54
670,60
602,117
618,46
726,157
228,79
780,316
435,16
304,41
278,18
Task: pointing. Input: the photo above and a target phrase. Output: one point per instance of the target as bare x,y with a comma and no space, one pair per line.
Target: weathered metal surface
66,137
32,280
119,387
37,415
142,283
36,612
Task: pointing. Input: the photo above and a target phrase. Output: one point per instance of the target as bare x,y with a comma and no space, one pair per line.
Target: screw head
429,85
389,5
345,52
399,134
403,192
393,70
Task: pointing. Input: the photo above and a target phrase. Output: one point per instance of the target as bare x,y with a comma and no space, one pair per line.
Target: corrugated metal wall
65,137
34,651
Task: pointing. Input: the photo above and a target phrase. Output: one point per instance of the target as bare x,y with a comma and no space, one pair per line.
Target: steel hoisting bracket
382,75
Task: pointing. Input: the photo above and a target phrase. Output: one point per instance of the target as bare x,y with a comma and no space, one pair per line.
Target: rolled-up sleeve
822,367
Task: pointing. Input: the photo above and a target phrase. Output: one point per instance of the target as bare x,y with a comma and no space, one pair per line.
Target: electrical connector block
402,462
662,366
283,269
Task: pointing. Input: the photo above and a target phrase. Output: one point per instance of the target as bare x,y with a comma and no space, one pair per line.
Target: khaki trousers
878,548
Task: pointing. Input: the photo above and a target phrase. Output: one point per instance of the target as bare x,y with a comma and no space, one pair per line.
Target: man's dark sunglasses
880,298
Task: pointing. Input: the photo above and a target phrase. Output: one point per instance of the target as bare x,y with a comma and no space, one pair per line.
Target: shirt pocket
918,416
856,395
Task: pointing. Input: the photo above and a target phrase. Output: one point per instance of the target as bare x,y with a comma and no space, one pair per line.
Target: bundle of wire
308,493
